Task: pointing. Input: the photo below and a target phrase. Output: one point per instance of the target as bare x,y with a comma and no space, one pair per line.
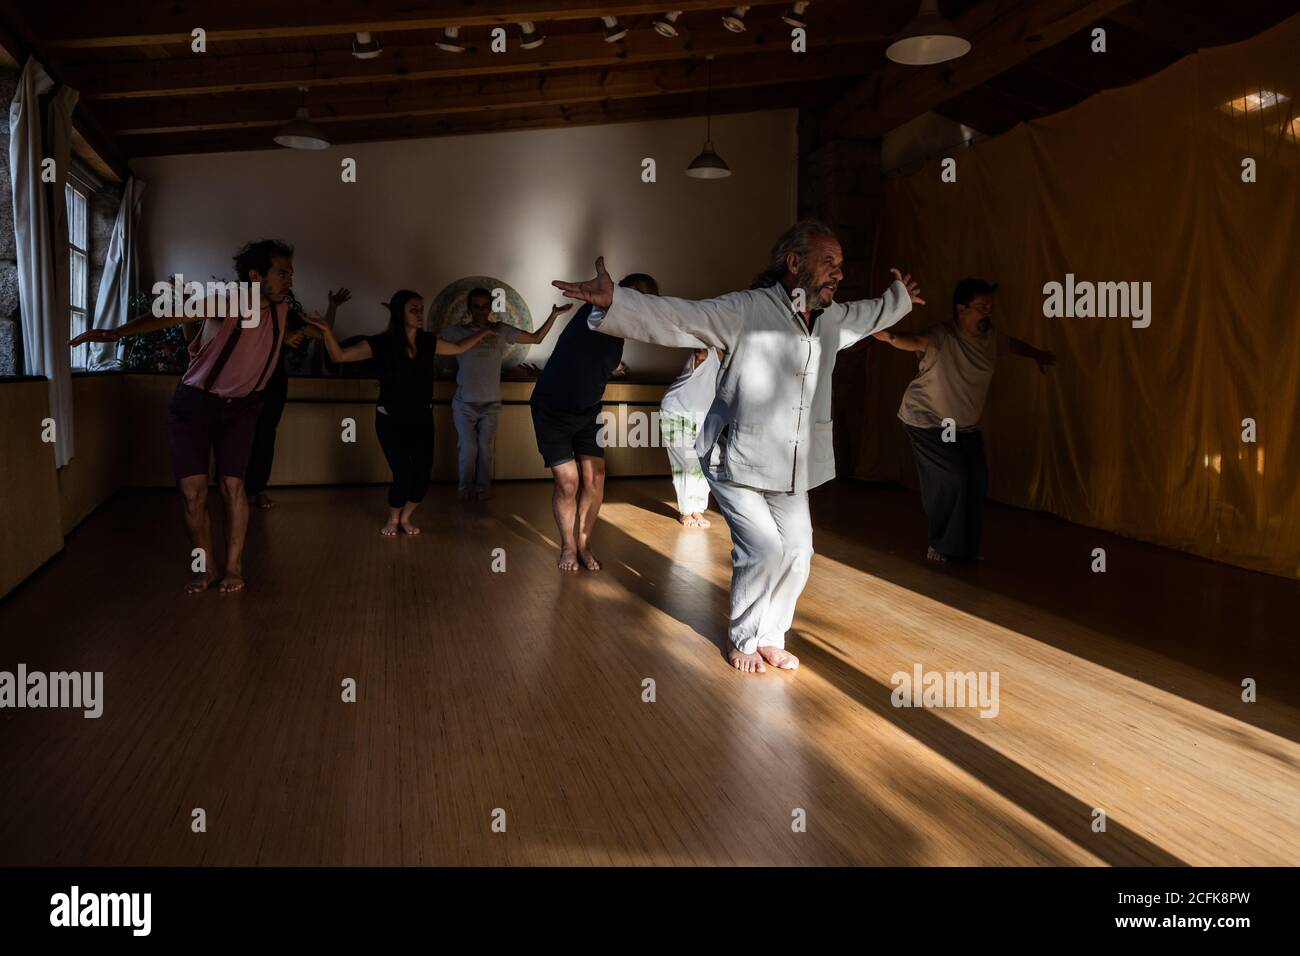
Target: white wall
526,207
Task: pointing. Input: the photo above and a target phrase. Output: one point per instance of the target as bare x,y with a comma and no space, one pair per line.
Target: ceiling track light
794,16
530,38
665,24
735,20
364,47
613,32
450,40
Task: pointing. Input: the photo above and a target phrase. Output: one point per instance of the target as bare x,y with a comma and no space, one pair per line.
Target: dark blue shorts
563,435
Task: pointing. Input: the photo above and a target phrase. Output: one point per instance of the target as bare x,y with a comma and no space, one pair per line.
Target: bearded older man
766,440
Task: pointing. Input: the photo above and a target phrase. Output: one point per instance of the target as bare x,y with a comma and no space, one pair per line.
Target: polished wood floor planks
518,695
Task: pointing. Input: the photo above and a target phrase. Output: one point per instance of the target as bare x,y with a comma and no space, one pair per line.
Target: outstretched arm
140,325
464,345
659,319
336,299
353,353
869,316
532,338
1043,358
917,342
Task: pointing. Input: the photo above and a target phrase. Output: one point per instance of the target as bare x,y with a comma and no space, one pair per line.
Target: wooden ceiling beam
90,142
435,98
81,24
1002,33
678,106
1171,25
215,74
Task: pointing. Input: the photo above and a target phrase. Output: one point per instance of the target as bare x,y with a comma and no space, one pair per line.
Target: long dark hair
397,325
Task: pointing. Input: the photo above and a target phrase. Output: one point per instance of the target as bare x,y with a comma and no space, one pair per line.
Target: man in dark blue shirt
566,405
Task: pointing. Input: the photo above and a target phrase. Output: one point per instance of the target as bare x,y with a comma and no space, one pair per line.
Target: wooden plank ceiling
145,92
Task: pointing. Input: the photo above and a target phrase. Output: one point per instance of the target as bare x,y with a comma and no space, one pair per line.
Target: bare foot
231,583
700,520
568,560
779,657
749,663
588,559
200,583
263,501
408,528
933,555
389,529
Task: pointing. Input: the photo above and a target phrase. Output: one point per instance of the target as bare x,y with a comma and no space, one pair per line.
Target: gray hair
797,239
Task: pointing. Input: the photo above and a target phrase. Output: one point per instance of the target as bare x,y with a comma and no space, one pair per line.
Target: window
78,265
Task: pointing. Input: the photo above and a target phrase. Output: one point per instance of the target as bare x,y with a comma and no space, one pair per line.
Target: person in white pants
681,412
767,437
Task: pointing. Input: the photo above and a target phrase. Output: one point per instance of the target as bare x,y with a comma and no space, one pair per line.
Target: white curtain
121,276
41,237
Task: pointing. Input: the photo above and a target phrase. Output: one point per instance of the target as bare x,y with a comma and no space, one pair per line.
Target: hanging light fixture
613,32
735,20
530,37
450,40
365,48
665,24
928,39
794,14
301,132
708,165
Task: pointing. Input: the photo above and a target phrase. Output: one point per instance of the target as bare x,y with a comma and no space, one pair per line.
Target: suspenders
229,347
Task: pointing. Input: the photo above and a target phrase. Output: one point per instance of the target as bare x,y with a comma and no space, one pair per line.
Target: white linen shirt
770,424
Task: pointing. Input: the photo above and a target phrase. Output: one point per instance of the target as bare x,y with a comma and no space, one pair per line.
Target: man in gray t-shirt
477,403
941,410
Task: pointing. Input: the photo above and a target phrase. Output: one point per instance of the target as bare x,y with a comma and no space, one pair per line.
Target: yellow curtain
1137,430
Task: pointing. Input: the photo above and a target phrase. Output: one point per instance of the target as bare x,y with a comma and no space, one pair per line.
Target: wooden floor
523,691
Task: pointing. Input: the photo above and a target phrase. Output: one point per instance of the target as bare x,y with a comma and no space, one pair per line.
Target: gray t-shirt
478,371
954,377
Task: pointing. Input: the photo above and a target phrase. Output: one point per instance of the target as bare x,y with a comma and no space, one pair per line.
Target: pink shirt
250,363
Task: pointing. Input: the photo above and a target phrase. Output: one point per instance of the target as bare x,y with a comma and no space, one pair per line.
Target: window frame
79,318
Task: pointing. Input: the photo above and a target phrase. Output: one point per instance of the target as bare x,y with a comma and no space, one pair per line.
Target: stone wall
10,345
103,213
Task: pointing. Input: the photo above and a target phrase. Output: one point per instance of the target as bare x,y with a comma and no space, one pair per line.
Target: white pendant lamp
928,39
300,132
708,165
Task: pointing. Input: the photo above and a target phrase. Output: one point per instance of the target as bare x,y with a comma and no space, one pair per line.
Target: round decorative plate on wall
450,307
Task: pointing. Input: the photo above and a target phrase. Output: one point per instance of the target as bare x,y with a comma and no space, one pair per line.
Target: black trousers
407,441
259,463
954,481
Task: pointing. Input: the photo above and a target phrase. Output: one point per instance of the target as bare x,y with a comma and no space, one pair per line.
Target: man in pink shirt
216,404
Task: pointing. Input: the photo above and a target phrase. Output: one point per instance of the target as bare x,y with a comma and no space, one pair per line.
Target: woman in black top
403,358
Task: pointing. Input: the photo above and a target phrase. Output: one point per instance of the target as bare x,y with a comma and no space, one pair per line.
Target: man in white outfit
766,440
681,412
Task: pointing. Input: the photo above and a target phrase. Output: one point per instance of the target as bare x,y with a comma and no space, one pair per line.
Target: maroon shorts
200,423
